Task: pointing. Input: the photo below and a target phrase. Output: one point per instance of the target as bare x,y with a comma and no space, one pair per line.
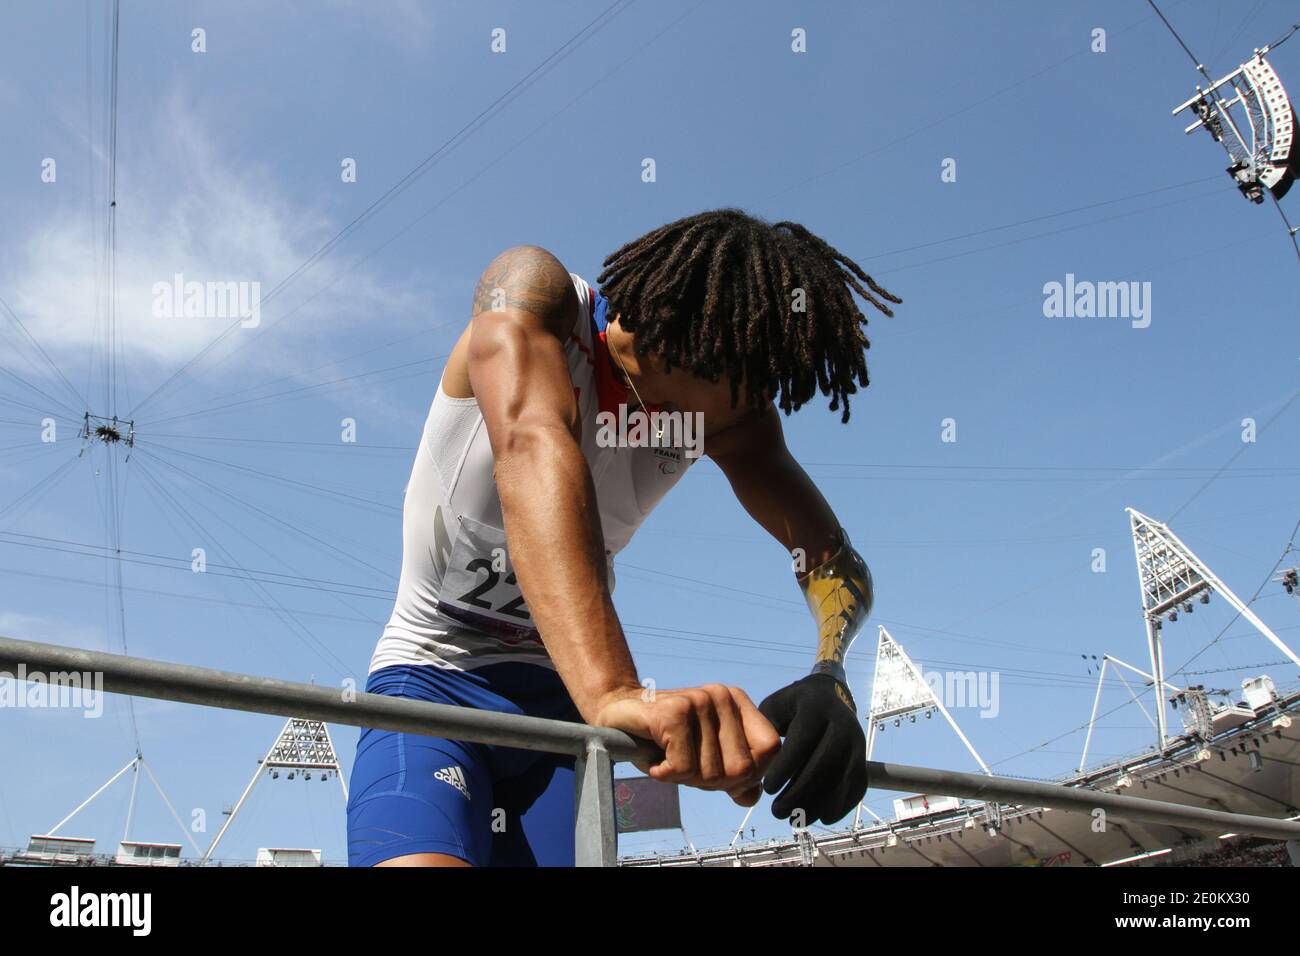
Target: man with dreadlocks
519,500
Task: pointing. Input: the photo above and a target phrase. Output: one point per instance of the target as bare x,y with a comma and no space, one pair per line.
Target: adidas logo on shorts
454,776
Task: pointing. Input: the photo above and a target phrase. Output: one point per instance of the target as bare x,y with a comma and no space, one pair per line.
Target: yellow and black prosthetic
839,594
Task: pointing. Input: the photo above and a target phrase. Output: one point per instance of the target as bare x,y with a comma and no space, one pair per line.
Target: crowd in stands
1242,851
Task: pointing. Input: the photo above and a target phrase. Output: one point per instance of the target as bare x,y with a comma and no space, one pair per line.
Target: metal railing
596,749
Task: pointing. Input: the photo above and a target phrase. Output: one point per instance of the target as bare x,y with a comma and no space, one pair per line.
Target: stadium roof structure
1250,763
1240,757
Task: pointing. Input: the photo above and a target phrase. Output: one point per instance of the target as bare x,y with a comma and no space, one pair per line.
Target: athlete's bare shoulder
529,279
525,291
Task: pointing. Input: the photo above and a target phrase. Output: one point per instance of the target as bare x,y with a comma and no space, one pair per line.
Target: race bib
479,589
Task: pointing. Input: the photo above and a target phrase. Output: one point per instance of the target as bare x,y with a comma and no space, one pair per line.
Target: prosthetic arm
839,595
820,772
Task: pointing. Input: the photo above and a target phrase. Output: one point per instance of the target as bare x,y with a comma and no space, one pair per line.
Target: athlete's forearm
780,496
557,550
774,489
834,579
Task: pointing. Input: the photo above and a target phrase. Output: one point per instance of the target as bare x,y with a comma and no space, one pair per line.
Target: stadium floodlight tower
1170,576
302,746
899,690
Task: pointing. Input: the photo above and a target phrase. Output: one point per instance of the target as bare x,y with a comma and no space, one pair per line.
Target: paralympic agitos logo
641,429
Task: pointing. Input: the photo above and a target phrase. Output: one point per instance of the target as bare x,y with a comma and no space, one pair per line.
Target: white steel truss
301,747
900,690
1169,576
1109,661
135,765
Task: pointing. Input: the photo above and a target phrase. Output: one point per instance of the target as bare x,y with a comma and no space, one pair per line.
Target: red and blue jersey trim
610,390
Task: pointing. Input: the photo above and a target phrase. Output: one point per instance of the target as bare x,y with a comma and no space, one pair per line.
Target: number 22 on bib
479,589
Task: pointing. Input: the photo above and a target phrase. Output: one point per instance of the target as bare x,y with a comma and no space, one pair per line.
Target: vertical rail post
595,841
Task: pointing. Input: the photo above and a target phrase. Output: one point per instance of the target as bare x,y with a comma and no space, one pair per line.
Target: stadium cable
593,27
262,547
965,109
280,479
1290,546
499,157
1100,203
88,550
1290,229
1033,219
294,625
282,442
114,343
888,271
13,317
47,482
347,555
293,391
92,205
114,535
420,333
1047,216
1241,28
44,394
1235,455
1190,55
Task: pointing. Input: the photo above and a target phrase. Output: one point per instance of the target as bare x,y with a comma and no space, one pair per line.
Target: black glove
824,755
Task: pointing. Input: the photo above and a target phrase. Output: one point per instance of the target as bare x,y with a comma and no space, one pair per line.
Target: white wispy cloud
187,207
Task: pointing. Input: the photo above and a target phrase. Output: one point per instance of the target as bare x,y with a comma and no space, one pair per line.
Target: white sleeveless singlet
458,604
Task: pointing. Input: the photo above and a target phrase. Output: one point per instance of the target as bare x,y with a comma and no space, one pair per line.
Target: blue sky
228,167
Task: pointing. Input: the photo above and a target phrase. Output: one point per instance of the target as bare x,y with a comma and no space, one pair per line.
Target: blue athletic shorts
489,806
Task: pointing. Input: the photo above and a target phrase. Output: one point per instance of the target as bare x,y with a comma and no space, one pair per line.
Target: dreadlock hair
724,293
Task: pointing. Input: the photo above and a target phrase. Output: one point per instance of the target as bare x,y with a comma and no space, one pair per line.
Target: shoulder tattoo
528,279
